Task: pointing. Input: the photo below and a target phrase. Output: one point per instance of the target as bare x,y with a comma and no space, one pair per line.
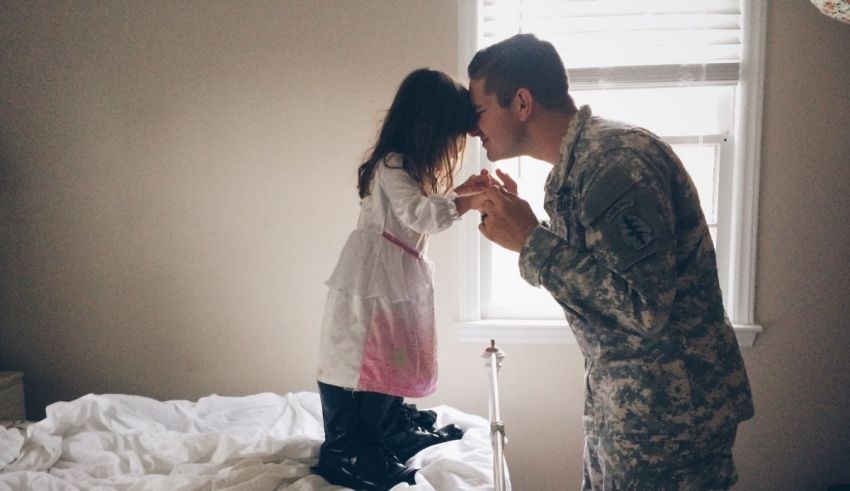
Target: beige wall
176,182
800,366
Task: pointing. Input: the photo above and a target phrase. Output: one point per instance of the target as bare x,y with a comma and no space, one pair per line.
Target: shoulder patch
635,232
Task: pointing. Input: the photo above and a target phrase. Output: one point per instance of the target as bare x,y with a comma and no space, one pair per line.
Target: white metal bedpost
493,357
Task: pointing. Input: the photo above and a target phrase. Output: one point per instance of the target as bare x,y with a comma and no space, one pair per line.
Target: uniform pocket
644,399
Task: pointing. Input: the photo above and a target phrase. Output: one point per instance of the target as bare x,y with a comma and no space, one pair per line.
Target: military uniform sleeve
627,274
422,214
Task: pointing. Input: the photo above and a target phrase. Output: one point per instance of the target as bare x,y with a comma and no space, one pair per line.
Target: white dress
378,328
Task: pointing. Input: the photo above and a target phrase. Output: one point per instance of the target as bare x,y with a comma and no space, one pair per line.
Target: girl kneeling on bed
378,339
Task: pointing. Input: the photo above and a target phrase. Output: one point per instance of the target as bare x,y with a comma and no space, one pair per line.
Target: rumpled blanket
259,442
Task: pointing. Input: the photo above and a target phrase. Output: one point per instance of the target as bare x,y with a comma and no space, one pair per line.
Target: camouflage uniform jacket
628,255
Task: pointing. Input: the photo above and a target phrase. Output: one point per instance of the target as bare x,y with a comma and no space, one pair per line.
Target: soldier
627,254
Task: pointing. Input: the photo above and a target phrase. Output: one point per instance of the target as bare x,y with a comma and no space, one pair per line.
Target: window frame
736,267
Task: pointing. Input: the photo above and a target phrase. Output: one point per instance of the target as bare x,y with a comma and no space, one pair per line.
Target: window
688,70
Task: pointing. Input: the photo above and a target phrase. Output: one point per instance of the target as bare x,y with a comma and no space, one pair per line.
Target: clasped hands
506,219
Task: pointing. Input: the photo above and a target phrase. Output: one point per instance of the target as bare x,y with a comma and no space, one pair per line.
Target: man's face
498,127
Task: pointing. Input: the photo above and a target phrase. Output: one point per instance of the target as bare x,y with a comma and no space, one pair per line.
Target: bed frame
493,357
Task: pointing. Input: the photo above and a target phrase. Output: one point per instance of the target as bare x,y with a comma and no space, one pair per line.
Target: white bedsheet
252,443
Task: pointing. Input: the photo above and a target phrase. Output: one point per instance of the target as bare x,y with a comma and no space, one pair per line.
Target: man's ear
523,103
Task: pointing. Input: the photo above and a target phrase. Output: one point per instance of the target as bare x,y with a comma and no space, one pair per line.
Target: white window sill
551,332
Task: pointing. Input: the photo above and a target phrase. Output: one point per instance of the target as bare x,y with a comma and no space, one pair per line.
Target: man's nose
475,131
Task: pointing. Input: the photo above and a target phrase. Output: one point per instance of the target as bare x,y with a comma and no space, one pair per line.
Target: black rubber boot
426,419
374,466
336,456
405,435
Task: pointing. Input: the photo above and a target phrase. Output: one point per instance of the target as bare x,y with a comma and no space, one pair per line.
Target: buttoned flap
606,189
623,215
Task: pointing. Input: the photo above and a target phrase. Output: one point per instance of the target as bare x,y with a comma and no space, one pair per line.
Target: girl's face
498,127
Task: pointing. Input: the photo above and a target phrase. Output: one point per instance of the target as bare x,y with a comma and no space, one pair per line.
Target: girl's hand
476,184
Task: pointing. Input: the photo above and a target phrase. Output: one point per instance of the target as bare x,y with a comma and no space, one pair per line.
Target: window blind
643,43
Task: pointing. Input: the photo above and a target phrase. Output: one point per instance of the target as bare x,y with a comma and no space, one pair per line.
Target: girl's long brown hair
426,123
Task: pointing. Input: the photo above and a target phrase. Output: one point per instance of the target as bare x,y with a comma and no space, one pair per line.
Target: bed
252,443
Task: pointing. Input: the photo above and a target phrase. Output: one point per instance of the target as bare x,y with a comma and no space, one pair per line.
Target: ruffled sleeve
422,214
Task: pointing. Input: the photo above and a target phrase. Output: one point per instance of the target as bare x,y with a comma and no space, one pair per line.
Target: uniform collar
559,172
573,131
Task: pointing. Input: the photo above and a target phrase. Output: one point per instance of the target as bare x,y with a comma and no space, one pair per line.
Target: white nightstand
12,396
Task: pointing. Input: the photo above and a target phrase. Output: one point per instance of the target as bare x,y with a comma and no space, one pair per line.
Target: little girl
378,339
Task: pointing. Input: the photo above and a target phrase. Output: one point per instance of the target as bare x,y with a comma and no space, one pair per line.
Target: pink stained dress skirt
378,329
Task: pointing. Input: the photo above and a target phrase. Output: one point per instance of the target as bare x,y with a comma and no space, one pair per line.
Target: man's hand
507,181
506,219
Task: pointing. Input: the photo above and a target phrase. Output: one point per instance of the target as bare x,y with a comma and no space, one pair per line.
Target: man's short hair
522,60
